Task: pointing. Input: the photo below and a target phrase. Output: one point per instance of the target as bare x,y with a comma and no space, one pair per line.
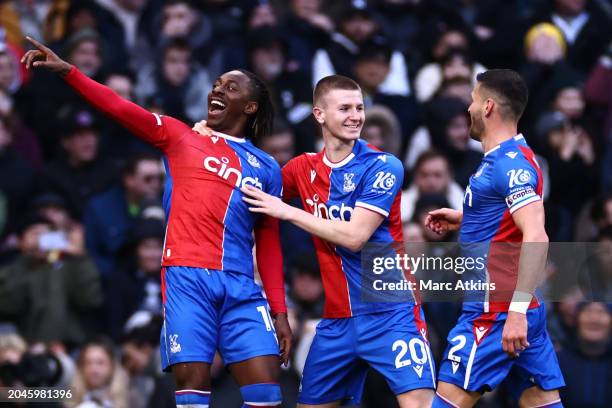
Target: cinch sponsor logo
221,168
335,212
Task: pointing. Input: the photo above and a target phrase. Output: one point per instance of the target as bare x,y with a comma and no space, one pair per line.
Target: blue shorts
206,310
475,361
394,343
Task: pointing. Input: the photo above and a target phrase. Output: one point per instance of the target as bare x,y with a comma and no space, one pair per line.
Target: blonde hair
117,391
12,341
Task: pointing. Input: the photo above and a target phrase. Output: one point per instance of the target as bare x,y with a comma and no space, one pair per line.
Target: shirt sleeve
516,180
151,127
381,184
290,189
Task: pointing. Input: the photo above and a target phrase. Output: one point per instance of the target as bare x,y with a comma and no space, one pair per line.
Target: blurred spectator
176,84
117,142
122,22
279,144
457,88
36,367
53,207
356,26
562,323
432,175
601,275
23,140
16,176
447,129
45,292
306,29
585,27
134,283
452,62
40,102
110,216
371,67
601,211
140,358
100,380
570,154
10,75
78,173
289,88
587,362
177,18
382,129
598,93
307,287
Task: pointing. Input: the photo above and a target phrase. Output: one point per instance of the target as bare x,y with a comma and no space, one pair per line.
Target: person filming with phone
46,291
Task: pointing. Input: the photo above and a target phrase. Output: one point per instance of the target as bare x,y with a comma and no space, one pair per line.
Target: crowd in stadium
81,218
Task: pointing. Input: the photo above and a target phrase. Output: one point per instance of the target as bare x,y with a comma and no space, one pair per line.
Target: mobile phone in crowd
53,241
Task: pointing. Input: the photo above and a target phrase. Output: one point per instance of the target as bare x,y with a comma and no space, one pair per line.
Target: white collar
517,137
228,137
341,163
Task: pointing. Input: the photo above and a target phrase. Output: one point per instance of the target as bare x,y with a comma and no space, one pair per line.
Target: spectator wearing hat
587,362
134,284
289,86
585,26
371,68
109,216
42,99
48,293
148,386
357,25
78,173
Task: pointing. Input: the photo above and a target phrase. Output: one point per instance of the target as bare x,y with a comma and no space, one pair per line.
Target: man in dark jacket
587,362
48,294
110,216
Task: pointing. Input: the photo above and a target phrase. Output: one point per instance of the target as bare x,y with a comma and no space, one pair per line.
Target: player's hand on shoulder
443,220
43,57
202,128
514,336
284,336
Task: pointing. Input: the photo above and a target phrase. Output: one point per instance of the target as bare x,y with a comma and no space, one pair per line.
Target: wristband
520,302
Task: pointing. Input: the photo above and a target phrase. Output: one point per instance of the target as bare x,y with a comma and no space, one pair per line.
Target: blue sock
441,402
261,395
192,398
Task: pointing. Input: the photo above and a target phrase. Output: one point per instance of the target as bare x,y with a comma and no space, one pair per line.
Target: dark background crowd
81,223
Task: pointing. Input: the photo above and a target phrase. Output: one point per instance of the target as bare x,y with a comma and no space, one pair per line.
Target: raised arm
139,121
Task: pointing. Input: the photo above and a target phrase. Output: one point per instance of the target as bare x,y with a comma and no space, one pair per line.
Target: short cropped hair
333,82
509,88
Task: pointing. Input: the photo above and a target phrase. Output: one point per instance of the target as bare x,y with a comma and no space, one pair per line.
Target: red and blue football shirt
366,178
